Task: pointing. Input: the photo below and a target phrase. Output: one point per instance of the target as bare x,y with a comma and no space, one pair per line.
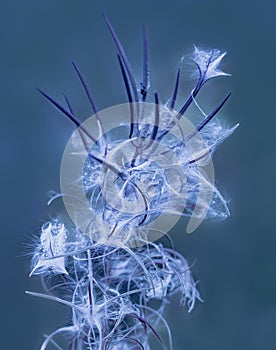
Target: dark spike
208,118
183,109
156,121
69,105
124,75
213,113
190,98
156,117
175,91
80,131
147,324
146,83
129,96
93,106
75,120
86,89
124,58
199,157
66,112
83,130
114,169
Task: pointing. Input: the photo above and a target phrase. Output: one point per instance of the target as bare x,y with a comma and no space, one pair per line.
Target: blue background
235,259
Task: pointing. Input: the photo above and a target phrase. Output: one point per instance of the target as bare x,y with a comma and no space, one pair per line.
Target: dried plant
99,257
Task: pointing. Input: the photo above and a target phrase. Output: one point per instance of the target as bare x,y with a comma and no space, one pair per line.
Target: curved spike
128,91
86,89
156,123
175,91
146,324
80,131
213,113
190,99
94,107
124,75
208,118
68,103
146,81
123,56
66,112
183,109
72,117
156,118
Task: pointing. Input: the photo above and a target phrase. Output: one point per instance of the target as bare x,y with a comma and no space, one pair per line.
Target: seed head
128,173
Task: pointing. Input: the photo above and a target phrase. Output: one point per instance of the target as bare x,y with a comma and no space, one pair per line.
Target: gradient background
236,258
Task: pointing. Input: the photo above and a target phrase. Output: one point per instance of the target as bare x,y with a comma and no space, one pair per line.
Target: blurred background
234,260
